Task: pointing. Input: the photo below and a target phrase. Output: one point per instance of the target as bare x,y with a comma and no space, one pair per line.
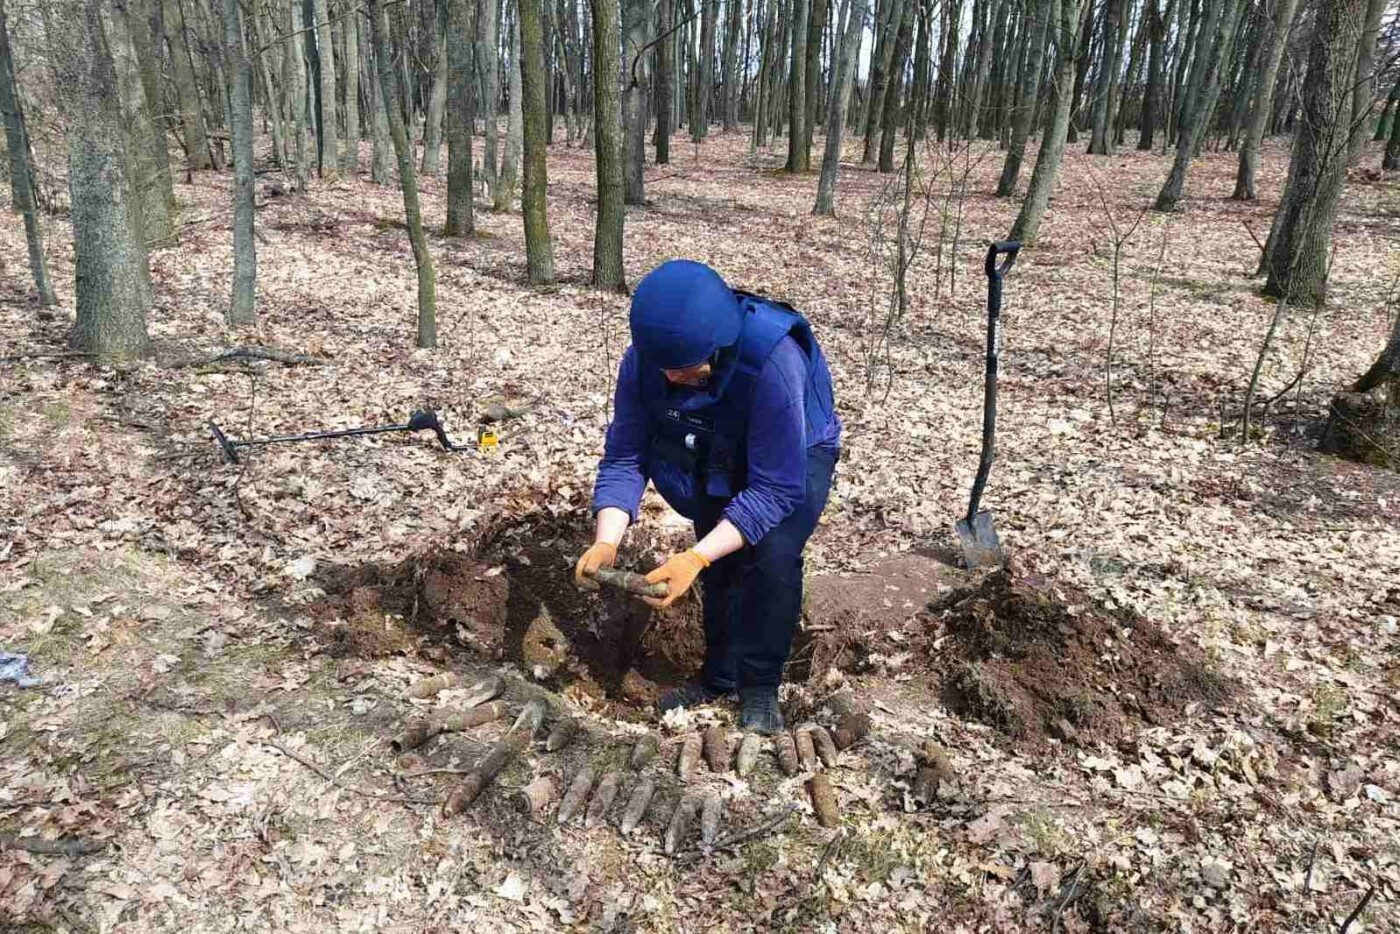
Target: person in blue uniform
723,402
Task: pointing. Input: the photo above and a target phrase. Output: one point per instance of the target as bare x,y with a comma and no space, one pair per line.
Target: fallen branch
249,352
47,355
1356,912
70,847
354,789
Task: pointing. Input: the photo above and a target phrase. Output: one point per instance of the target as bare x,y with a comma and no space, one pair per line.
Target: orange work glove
678,573
599,555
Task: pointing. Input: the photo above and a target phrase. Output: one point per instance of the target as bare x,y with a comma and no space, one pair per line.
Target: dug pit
511,597
1035,659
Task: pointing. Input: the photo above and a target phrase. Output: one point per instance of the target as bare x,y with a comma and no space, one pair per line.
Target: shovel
981,546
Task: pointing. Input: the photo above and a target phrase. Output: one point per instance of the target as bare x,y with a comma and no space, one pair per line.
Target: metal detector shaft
995,273
418,421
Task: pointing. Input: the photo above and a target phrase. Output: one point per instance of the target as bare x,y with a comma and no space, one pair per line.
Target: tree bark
1216,41
192,128
1391,160
1295,256
113,280
1069,18
461,220
379,124
890,122
636,29
295,89
22,194
607,146
1040,13
488,13
1364,82
350,57
729,65
1156,71
812,79
704,69
437,95
151,191
242,305
853,16
325,53
1263,100
880,65
138,16
408,179
1101,136
539,250
508,175
665,50
798,158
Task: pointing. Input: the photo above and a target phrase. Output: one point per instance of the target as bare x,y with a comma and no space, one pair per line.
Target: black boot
760,712
692,694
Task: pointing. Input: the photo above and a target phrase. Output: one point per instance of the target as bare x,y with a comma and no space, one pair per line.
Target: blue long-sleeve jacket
776,447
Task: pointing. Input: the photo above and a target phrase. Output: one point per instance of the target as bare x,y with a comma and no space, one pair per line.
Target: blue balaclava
682,312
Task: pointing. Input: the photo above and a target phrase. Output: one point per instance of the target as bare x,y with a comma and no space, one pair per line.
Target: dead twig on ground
730,841
250,352
70,846
1356,912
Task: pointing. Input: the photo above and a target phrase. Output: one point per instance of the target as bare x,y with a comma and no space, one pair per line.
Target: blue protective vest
704,433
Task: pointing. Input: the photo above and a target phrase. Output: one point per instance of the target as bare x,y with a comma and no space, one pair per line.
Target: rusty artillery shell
826,749
690,755
530,719
787,754
637,805
477,716
680,822
537,795
748,753
645,750
823,800
806,751
630,582
561,734
575,796
842,703
414,735
710,815
488,688
429,687
851,730
716,743
602,799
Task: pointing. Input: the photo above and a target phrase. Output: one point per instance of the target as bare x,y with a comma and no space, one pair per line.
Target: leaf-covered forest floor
174,604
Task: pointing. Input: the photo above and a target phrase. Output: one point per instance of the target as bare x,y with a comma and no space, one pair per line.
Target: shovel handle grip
996,269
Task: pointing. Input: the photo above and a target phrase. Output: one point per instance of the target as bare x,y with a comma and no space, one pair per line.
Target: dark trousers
753,597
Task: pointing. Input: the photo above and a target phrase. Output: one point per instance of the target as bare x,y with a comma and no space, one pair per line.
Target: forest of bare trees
145,90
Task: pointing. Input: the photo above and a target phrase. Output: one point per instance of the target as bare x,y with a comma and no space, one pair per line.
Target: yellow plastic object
486,439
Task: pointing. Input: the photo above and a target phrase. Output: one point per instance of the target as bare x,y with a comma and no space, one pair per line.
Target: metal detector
423,420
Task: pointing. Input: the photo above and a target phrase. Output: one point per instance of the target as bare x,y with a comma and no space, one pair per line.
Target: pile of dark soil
1034,659
511,597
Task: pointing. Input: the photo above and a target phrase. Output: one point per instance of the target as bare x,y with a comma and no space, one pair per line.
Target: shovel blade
981,547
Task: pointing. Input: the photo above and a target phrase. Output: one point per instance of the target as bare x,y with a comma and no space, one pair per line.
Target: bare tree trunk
607,146
1100,136
890,122
729,65
1069,19
1040,13
853,17
150,188
1364,84
138,17
488,14
273,110
408,179
350,56
196,137
1263,100
242,306
379,123
1216,41
295,89
21,172
635,65
705,71
437,96
812,80
113,272
1295,256
508,176
798,159
539,250
665,51
881,78
1156,70
461,90
325,51
1391,160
